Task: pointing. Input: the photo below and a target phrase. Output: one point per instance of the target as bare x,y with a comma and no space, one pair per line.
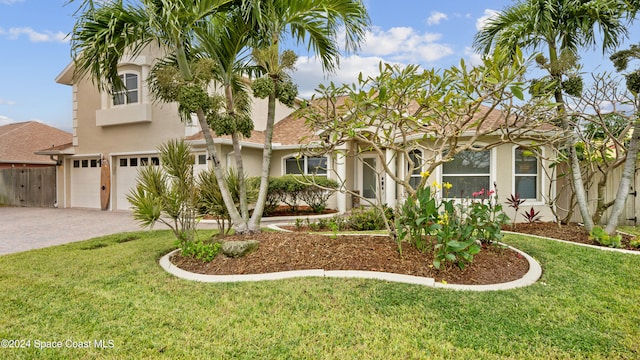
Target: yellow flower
425,174
444,281
436,185
447,186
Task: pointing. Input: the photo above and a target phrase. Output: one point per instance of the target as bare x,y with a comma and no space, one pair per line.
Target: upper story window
468,172
525,173
416,157
128,95
306,165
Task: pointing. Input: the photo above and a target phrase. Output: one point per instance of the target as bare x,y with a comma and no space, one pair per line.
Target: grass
112,289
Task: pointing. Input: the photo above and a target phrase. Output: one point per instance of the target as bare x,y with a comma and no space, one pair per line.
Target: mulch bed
302,251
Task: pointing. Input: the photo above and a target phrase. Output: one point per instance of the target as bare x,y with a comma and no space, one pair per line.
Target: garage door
126,175
85,183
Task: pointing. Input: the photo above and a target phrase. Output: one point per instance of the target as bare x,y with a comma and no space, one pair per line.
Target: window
202,159
76,163
416,177
94,163
129,94
155,161
525,173
85,163
468,172
144,161
123,162
306,165
133,162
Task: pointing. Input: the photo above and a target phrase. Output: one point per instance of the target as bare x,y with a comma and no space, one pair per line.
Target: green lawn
587,305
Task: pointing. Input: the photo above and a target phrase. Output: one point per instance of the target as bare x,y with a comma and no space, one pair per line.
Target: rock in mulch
236,249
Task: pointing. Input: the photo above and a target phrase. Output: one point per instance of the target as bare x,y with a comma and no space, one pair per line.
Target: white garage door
85,183
126,175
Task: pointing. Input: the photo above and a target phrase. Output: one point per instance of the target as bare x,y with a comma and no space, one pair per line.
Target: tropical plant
314,22
104,32
168,193
561,27
531,216
514,201
210,201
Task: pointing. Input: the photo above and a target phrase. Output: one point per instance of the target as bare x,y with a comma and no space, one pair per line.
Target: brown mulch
569,232
300,251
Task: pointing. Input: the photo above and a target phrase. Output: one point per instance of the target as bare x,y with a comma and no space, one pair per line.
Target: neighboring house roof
20,141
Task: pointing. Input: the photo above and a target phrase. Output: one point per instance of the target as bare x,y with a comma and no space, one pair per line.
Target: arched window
415,156
128,95
525,173
468,172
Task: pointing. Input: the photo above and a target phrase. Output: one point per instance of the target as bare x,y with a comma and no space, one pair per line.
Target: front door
370,179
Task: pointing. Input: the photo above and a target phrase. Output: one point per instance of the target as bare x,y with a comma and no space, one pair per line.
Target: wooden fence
28,187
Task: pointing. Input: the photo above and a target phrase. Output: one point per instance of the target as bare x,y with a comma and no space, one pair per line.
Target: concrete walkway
23,229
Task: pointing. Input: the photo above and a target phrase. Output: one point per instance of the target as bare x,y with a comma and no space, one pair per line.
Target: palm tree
560,28
105,31
316,23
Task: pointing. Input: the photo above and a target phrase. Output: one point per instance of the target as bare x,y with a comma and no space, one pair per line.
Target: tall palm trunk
254,223
237,151
625,182
234,215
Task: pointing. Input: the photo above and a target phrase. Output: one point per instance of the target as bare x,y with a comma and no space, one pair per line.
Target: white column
390,185
341,173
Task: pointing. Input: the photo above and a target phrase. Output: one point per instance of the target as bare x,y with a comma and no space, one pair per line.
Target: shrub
452,231
318,196
601,237
362,219
204,251
291,189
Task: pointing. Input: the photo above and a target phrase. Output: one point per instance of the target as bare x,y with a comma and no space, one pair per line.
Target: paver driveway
24,229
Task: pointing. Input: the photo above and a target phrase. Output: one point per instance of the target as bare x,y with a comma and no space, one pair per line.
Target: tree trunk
254,223
625,181
220,176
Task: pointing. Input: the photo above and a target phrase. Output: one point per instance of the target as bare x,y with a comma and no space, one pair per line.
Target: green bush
601,237
452,231
362,219
291,190
204,251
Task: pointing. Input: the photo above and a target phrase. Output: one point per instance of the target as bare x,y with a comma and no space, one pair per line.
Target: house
127,130
20,141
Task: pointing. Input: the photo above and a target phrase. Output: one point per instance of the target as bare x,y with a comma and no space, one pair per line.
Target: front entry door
370,185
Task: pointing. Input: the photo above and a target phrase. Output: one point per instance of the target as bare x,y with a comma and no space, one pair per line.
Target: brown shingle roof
292,130
19,141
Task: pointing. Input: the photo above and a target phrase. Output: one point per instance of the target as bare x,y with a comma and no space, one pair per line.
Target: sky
34,49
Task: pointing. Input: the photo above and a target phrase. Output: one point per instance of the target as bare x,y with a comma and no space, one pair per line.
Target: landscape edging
534,273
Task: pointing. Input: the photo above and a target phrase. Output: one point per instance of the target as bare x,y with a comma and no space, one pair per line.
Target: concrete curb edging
604,248
534,273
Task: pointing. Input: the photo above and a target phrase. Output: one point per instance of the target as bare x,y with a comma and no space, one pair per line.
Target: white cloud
5,120
489,14
474,58
34,36
436,17
7,102
309,72
10,2
404,44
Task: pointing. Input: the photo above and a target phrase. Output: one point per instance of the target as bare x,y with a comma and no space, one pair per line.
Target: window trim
492,171
540,183
417,172
126,91
305,165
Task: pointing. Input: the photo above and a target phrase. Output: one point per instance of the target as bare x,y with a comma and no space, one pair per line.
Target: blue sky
435,34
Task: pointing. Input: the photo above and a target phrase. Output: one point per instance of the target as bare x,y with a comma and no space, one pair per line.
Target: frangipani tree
439,113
